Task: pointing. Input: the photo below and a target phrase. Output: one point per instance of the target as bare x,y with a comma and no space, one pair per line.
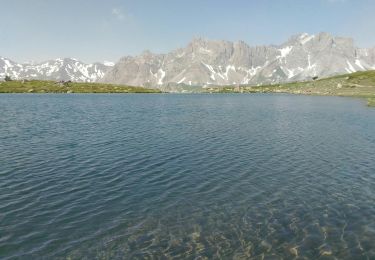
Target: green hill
40,86
358,84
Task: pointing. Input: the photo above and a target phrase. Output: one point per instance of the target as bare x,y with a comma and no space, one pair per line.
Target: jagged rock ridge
58,69
204,62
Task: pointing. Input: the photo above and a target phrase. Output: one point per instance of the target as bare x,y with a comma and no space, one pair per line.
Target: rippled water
186,176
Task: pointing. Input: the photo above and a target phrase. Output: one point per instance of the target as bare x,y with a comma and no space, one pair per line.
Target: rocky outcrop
204,62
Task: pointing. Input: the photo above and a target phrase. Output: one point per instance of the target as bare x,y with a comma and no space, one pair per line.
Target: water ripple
186,177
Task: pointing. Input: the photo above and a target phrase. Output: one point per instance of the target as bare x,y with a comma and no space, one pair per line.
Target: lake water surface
186,177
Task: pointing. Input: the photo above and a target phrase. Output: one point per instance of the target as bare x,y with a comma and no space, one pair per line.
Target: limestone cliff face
205,62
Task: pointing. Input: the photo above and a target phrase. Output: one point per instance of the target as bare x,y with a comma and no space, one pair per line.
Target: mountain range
204,62
209,62
58,69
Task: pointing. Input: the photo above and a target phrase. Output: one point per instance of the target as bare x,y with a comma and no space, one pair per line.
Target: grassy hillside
359,84
40,86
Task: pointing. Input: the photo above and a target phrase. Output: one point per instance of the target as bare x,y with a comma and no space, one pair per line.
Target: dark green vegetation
40,86
359,84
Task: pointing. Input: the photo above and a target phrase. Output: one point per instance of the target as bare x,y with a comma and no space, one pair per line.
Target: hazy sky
98,30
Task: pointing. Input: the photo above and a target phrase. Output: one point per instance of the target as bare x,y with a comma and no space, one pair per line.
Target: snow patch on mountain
204,62
351,68
109,63
359,64
162,76
181,80
304,38
58,69
285,51
210,68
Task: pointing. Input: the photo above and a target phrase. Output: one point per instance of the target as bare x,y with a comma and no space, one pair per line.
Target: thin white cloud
114,17
118,14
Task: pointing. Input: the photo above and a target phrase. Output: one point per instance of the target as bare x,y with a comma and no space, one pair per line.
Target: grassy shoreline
371,102
358,84
42,86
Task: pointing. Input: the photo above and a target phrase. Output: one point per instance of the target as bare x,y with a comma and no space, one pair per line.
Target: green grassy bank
358,84
41,86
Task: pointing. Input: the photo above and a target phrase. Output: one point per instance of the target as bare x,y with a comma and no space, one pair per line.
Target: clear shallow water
183,176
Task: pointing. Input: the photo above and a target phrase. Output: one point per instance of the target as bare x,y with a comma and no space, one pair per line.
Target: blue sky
98,30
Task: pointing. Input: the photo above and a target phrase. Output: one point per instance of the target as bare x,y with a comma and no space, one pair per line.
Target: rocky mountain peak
207,62
57,69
